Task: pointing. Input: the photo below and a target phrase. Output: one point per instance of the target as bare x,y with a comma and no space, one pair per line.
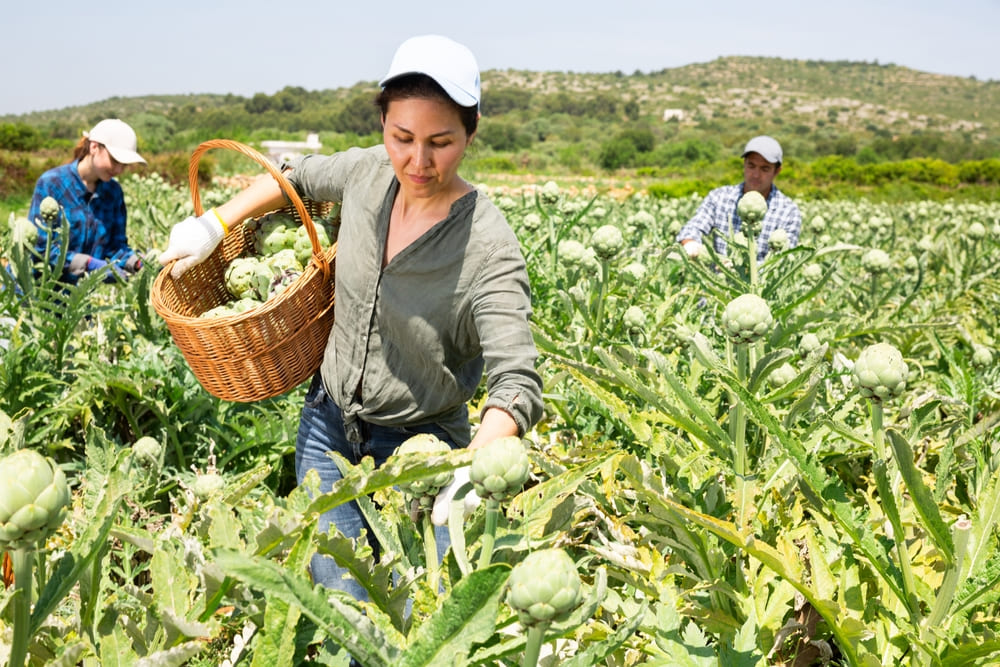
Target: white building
279,151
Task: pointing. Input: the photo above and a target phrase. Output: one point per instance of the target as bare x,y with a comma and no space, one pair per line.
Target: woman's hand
192,241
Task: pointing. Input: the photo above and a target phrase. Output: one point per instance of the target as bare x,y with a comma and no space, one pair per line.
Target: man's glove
693,248
442,503
192,241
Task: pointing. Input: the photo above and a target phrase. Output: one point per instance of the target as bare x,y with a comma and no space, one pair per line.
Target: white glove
693,248
442,504
192,241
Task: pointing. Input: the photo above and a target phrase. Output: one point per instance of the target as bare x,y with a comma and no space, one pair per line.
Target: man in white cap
761,164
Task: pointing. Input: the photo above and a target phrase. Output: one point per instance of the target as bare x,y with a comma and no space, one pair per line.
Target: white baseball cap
118,138
449,63
767,147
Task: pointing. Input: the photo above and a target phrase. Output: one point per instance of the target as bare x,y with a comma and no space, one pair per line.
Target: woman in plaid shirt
92,204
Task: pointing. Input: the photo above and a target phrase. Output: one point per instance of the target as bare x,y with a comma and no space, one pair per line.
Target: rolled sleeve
502,313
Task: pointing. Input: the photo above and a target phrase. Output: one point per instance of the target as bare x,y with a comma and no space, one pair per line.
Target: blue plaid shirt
718,212
96,220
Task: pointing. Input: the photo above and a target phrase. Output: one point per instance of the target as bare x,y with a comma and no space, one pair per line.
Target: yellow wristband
225,228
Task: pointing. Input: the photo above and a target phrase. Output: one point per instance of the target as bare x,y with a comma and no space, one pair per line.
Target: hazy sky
60,53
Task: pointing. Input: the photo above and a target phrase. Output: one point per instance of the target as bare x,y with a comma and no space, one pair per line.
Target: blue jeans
321,430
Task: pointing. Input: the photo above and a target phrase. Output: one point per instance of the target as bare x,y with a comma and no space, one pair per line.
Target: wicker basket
263,352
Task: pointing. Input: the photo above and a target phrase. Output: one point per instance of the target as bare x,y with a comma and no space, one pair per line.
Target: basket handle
286,187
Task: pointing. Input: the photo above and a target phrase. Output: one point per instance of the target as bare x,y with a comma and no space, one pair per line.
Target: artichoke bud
747,318
880,372
500,469
607,241
876,261
545,587
751,208
49,209
982,357
208,484
33,499
426,488
146,451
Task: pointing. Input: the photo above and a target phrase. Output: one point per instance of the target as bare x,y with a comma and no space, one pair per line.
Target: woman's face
426,141
105,166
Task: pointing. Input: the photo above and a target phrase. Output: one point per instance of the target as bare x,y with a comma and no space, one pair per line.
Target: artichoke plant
607,241
876,261
982,357
634,319
543,589
751,208
248,278
33,500
421,493
747,318
498,472
500,469
880,372
778,240
49,210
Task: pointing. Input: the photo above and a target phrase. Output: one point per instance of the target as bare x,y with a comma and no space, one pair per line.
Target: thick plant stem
738,416
533,645
878,430
489,532
430,552
22,560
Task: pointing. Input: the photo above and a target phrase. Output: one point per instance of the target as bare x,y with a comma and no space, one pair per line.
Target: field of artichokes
786,462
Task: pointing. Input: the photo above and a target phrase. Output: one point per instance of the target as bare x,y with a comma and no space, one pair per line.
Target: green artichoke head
425,489
146,451
303,245
249,278
49,210
880,372
778,240
544,588
500,469
207,484
275,232
33,499
809,344
23,232
976,231
751,208
572,252
283,260
876,260
634,319
747,318
982,357
607,241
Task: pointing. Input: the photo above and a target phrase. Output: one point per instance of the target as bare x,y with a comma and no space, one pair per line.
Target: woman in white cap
432,288
92,204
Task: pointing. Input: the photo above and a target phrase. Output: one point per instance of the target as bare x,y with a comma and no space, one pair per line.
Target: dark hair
421,86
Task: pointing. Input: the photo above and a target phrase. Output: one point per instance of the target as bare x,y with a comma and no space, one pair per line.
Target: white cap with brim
449,63
765,146
118,138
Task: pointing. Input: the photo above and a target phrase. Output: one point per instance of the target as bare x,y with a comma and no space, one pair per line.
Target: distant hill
686,122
